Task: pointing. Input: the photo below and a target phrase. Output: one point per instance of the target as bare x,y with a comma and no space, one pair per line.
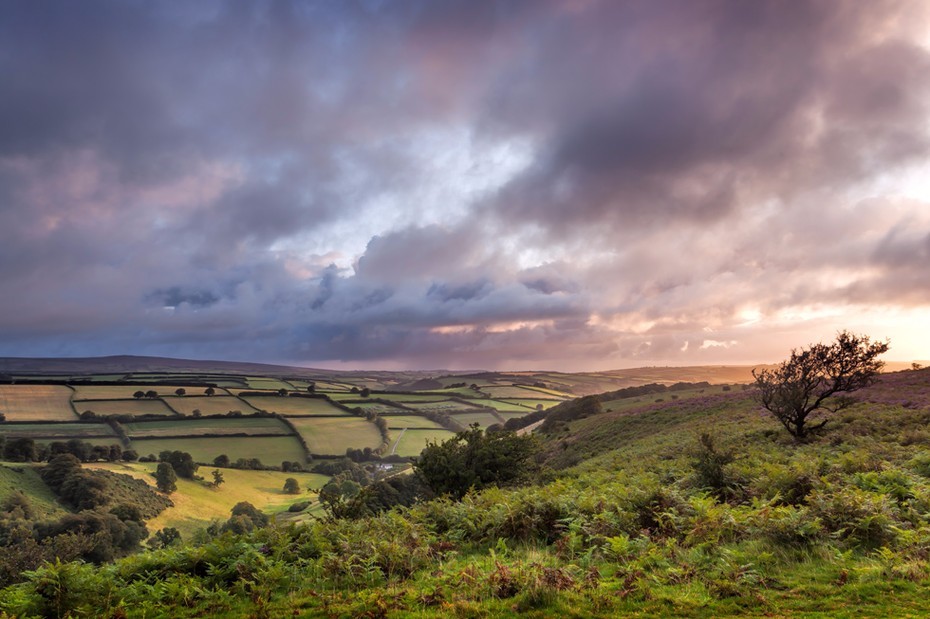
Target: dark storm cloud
453,183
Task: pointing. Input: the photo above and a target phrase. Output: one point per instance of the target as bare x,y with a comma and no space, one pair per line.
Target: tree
291,486
181,461
165,478
282,392
151,394
221,460
139,395
209,391
311,388
818,378
365,392
217,478
476,459
180,392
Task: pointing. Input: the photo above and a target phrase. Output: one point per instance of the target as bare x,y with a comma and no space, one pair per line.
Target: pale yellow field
331,436
196,505
36,403
208,405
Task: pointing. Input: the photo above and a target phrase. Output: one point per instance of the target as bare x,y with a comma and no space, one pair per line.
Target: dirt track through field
397,442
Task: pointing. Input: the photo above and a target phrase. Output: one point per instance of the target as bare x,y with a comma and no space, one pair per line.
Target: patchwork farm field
375,407
194,427
298,407
271,450
272,384
510,392
443,406
208,405
501,406
407,398
196,505
411,442
482,419
58,430
119,392
410,421
36,403
533,403
331,436
124,407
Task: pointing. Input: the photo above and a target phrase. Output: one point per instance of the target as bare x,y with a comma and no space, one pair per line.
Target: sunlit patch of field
124,407
482,419
196,504
271,450
36,403
25,478
501,406
410,421
331,436
412,442
294,406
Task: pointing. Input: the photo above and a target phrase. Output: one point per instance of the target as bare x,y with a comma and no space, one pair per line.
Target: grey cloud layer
175,178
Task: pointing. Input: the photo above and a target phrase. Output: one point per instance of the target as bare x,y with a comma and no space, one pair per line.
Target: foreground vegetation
657,501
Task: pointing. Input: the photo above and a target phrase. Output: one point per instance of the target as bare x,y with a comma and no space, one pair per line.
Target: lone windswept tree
818,378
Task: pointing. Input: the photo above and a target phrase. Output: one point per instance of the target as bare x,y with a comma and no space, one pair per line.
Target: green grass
36,403
208,405
444,406
25,478
194,427
269,383
331,436
196,505
56,430
410,421
412,442
295,406
482,419
124,407
376,407
510,392
271,450
502,406
406,398
533,403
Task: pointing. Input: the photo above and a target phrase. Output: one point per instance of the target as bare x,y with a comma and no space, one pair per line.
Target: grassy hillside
698,506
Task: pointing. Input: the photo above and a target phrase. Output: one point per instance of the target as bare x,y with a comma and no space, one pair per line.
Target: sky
569,184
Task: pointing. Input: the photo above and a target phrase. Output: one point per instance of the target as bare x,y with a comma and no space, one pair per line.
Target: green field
533,403
410,421
507,416
36,403
194,427
482,419
376,407
406,398
25,478
443,406
501,406
124,407
105,441
510,392
271,450
272,384
196,505
208,405
299,407
412,442
57,430
331,436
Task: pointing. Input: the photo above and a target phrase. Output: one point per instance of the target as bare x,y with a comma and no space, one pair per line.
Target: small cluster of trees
25,449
